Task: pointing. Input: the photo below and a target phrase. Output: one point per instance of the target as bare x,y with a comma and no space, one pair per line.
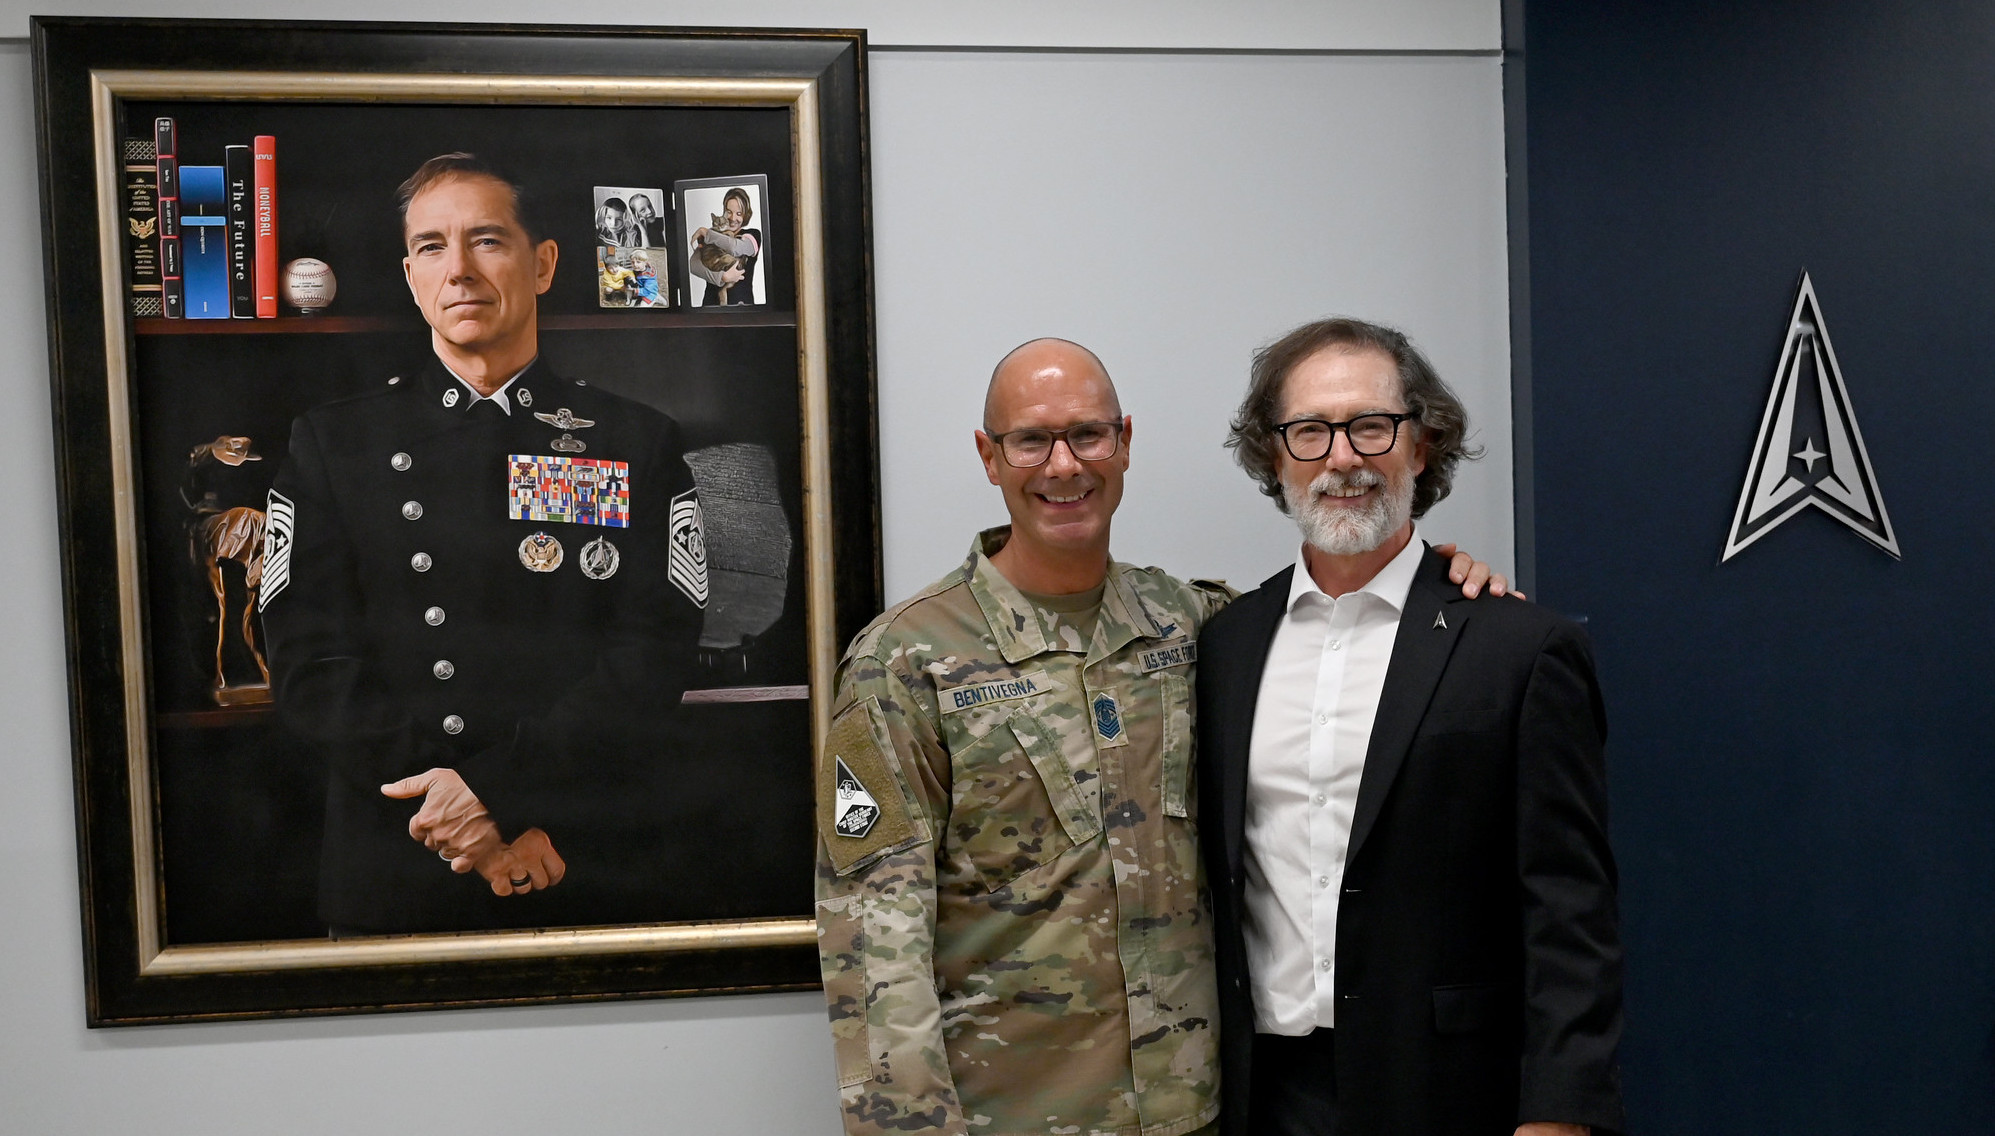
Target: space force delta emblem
1809,451
855,811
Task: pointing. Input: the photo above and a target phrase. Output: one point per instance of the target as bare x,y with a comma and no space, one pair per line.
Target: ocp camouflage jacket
1009,916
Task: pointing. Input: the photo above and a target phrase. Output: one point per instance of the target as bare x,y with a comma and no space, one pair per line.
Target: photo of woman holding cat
724,245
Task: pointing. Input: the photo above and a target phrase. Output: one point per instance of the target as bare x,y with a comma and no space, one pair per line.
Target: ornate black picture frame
200,812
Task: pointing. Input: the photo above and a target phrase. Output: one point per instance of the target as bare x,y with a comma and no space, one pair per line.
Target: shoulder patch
688,567
862,806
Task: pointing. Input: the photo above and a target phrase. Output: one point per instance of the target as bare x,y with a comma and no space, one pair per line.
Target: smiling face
1060,511
734,213
474,271
1347,503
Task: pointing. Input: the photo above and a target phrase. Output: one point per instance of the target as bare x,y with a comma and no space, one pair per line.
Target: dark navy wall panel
1803,738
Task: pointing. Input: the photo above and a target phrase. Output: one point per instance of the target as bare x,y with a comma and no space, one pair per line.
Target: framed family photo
309,590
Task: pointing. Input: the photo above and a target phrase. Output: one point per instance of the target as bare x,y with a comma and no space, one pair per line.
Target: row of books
201,241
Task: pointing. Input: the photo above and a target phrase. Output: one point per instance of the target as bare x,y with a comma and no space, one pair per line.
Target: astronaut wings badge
689,547
856,810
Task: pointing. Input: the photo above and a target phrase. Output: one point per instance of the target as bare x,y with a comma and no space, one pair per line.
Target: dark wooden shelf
607,320
218,718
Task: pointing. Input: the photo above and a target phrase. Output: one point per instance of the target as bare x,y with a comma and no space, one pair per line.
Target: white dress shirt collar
1393,583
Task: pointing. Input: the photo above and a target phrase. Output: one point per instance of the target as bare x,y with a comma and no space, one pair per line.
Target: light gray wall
1171,210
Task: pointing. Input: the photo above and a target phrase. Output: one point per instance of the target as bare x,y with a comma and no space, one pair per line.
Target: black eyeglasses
1031,446
1310,439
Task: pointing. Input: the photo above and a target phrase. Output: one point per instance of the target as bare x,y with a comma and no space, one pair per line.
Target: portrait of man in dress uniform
483,591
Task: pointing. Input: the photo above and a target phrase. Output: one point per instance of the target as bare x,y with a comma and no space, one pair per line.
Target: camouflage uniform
1009,917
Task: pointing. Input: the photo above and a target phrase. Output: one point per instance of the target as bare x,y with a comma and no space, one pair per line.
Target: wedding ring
521,883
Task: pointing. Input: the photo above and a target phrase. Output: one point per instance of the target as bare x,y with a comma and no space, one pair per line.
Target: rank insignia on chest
856,810
540,553
1108,729
583,491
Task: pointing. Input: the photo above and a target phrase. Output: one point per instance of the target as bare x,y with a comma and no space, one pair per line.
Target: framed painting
451,612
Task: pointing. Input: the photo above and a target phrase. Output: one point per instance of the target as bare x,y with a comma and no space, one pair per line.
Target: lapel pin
1440,622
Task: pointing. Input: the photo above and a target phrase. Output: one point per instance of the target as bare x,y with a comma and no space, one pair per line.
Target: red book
263,157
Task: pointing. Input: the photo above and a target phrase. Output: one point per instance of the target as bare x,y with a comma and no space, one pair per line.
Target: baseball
309,285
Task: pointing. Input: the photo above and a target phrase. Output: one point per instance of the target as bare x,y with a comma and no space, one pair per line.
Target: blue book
204,241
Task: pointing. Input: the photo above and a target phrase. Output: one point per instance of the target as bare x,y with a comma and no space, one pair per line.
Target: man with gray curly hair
1403,791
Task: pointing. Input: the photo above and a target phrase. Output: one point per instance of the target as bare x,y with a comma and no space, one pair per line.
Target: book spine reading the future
141,198
204,241
236,171
264,209
166,153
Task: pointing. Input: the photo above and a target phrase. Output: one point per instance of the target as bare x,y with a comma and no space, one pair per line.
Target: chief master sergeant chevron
1010,924
481,579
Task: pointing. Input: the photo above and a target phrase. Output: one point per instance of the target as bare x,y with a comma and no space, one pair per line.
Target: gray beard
1347,532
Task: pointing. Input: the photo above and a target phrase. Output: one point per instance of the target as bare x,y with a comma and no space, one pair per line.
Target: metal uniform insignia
688,567
525,397
600,559
567,444
862,804
280,517
450,397
583,491
1107,716
564,419
1168,655
954,698
854,810
540,553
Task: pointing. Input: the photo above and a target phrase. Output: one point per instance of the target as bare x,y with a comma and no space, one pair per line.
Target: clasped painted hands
453,824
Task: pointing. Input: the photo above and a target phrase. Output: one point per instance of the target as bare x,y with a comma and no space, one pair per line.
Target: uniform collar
1022,630
448,393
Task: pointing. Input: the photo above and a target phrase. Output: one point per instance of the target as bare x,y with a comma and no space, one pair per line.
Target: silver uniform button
420,561
452,724
401,462
412,510
443,669
433,616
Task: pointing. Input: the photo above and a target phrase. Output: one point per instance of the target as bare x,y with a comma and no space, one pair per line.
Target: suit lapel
1429,627
1264,609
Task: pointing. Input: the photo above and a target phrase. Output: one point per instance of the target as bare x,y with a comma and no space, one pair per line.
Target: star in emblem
1810,455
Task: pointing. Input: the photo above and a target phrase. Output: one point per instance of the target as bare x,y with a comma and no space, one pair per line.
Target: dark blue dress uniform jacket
409,635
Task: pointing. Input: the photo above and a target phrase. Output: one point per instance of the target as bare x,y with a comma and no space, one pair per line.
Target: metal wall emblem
1810,451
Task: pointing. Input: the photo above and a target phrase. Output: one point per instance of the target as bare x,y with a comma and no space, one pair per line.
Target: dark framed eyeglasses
1309,439
1087,441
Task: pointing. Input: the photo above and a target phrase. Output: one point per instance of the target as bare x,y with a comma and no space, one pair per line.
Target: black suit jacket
1478,958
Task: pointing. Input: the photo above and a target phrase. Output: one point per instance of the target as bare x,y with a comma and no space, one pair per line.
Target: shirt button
433,617
411,510
1321,800
1323,964
443,669
452,724
1323,719
1336,644
1323,881
420,562
401,462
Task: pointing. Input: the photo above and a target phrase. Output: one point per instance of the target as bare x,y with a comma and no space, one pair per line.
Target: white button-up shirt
1312,725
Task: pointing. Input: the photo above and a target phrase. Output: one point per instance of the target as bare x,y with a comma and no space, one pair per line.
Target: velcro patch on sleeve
863,810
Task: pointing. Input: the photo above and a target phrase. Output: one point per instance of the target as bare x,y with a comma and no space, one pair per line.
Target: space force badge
855,811
688,567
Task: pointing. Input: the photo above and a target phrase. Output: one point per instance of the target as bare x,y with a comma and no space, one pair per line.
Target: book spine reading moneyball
140,193
236,172
166,152
264,210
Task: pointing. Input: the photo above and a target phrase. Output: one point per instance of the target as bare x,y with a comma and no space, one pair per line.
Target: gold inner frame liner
155,958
